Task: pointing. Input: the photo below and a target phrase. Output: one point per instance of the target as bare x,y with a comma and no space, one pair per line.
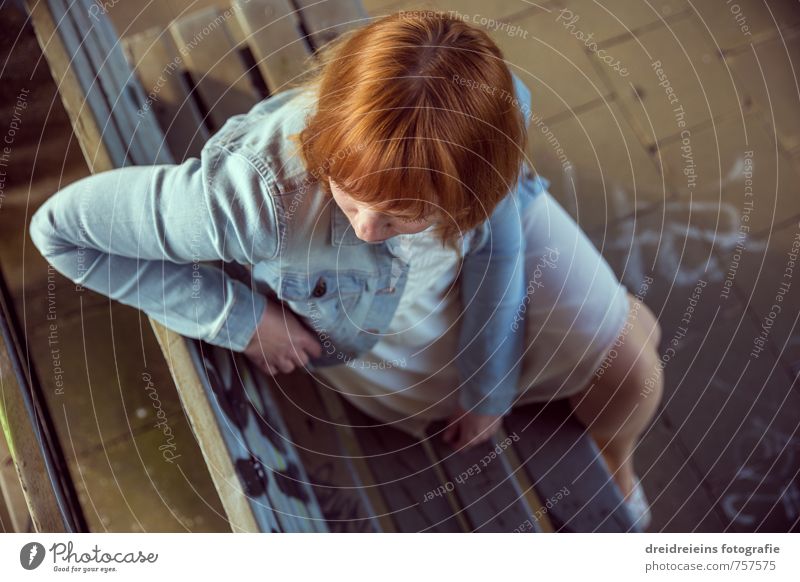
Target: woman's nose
371,229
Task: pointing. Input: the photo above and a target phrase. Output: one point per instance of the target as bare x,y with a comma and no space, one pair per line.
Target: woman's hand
281,343
466,429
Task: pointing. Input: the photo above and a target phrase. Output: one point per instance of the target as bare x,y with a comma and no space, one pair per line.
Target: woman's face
373,226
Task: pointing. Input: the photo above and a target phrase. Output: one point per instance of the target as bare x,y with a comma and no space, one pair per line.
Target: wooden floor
724,451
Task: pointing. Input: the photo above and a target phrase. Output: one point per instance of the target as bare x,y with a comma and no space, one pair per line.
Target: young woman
401,248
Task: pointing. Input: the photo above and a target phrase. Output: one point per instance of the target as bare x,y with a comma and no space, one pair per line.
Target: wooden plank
326,20
80,61
406,477
99,155
334,478
123,92
110,74
273,478
483,480
272,30
334,406
205,425
20,436
6,525
234,29
14,515
131,18
220,78
86,52
538,520
155,58
288,469
567,470
680,495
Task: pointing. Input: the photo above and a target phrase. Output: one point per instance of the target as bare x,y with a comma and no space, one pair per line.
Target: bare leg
617,407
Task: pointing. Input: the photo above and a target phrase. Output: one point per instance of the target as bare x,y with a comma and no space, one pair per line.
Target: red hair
415,112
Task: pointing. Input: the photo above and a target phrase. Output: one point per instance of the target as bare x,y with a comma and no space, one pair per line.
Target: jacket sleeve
492,289
140,235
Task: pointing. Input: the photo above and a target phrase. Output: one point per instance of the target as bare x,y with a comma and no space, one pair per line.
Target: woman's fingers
269,368
261,363
311,345
469,438
285,365
301,338
302,358
460,434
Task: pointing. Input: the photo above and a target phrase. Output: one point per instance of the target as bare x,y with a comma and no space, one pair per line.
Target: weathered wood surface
100,44
484,482
204,417
326,20
22,436
159,65
273,31
321,443
567,470
23,482
406,477
219,75
85,123
274,481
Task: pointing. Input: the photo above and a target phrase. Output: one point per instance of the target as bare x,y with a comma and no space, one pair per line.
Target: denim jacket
144,236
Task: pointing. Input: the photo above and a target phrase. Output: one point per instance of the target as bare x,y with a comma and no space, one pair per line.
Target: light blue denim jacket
143,235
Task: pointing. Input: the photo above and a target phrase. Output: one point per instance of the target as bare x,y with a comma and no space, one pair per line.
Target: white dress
574,311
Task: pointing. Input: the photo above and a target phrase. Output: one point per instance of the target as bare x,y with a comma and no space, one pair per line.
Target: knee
636,371
649,374
643,351
645,321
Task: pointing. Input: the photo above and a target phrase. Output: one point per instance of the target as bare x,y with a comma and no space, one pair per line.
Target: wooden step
210,56
273,31
347,498
159,65
483,479
567,470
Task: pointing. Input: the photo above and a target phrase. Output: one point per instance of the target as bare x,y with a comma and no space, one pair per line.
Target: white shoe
637,505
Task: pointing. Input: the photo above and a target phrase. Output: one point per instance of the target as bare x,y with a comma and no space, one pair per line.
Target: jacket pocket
324,298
